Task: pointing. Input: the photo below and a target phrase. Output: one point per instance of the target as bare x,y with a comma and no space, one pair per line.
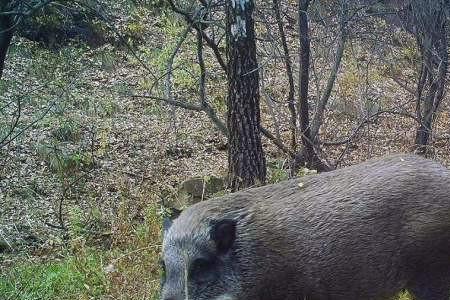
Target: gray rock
4,245
196,189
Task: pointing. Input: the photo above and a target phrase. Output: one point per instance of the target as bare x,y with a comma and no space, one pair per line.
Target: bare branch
178,103
318,116
219,124
19,16
168,84
288,66
402,84
195,23
14,125
201,63
11,138
269,101
32,9
276,141
204,103
112,27
366,120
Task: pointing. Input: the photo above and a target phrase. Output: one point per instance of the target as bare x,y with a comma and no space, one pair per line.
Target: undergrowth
129,269
68,278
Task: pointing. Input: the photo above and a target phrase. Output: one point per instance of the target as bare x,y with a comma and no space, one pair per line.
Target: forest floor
81,190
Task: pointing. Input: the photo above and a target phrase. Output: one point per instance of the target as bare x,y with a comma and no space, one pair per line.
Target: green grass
404,296
70,278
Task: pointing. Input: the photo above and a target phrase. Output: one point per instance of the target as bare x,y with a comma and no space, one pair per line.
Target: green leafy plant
277,172
68,131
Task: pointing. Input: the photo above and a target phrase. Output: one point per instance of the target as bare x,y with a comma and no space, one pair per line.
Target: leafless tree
431,21
246,160
324,31
428,21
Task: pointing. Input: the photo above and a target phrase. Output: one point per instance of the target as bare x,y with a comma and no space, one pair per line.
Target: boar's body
362,232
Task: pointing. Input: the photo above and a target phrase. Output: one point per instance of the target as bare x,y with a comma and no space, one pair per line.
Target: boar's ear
168,220
223,233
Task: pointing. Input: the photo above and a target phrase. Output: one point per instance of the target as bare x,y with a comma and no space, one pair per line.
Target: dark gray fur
359,233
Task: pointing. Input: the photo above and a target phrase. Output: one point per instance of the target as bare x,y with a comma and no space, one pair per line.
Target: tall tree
6,33
12,13
308,156
431,22
428,21
246,160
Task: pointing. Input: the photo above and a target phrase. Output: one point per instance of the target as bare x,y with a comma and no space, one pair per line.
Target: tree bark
6,34
246,160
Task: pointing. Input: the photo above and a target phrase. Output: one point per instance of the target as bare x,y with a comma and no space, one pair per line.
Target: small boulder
196,189
4,245
199,187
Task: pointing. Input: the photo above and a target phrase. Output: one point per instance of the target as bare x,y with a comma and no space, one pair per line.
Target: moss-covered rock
195,189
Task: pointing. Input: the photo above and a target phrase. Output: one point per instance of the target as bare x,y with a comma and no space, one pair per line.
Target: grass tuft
65,279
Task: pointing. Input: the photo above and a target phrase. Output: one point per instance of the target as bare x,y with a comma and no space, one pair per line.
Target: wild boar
359,233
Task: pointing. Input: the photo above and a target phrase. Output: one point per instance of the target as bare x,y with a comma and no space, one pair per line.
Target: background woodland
112,113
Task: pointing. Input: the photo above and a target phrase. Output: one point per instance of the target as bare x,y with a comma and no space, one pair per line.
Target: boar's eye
200,267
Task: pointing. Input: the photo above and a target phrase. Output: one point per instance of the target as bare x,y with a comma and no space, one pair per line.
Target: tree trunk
308,157
6,34
428,20
431,35
246,160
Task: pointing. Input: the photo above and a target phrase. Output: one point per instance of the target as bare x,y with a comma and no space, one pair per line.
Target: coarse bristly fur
359,233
